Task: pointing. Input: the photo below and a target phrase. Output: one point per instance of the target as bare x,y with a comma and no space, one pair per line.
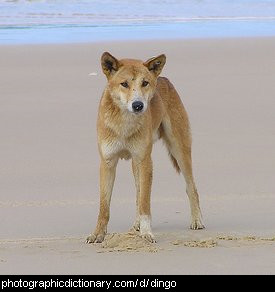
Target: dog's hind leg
177,138
107,177
185,164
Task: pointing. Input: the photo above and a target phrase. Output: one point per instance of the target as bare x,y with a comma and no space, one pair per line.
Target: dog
137,108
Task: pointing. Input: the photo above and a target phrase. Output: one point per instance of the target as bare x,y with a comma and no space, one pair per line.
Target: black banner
106,282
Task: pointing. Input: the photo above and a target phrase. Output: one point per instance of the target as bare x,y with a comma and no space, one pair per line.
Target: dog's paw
95,238
196,225
149,237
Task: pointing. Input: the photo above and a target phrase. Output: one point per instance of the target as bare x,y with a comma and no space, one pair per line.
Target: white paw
149,237
145,228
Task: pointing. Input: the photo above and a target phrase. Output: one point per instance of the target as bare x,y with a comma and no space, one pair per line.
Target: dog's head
132,83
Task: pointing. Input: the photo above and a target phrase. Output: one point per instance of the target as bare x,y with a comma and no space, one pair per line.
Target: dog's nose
137,106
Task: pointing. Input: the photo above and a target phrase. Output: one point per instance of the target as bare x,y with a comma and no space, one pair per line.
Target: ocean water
55,21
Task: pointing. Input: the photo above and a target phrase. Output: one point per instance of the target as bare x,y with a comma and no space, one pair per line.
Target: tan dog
136,109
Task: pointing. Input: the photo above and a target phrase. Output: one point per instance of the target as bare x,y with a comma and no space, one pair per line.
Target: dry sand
49,163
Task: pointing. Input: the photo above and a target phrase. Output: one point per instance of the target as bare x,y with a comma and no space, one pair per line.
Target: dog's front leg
107,178
145,182
136,225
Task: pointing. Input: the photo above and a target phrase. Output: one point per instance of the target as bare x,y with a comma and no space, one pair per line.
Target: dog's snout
137,106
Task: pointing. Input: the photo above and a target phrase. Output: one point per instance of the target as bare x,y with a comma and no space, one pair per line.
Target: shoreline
145,41
172,31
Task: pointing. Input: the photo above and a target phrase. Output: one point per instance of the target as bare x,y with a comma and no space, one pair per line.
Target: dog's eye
124,84
145,83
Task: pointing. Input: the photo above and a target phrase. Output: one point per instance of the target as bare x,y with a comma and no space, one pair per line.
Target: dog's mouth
138,113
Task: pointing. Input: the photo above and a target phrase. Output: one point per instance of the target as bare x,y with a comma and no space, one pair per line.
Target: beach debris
236,241
126,242
203,243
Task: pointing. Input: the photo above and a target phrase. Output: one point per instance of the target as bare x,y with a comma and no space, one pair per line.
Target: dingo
137,108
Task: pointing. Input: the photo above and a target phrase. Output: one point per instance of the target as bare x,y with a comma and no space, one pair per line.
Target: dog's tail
166,142
174,161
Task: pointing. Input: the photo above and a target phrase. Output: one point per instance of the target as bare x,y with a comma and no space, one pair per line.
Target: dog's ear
156,64
109,64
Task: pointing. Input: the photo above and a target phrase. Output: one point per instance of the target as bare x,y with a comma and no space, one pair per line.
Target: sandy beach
49,96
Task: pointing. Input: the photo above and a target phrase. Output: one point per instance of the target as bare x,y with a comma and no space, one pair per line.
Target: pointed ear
109,64
156,64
